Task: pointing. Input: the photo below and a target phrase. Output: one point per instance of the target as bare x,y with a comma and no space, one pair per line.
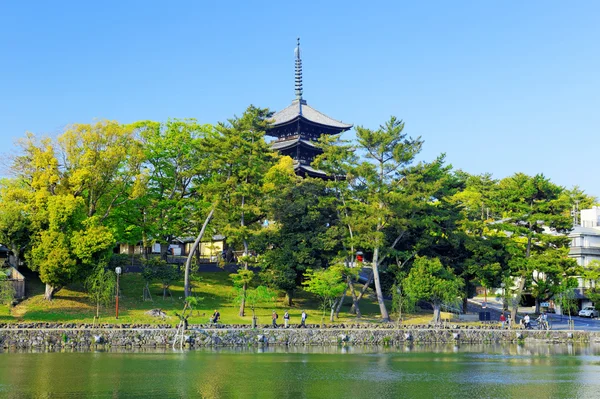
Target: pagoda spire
298,72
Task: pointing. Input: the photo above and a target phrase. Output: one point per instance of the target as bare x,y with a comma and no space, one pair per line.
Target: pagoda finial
298,72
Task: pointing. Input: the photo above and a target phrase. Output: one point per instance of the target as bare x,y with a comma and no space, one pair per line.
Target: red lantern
359,256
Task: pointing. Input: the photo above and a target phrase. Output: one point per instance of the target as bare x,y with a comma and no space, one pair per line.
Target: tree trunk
437,319
537,306
245,287
16,257
288,297
333,306
354,308
382,309
339,305
354,298
49,293
243,304
188,262
515,304
97,309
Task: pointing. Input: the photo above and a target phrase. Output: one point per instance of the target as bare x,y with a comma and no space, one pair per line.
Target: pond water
466,371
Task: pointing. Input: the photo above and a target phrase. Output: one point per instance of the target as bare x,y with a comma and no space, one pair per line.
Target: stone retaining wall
86,338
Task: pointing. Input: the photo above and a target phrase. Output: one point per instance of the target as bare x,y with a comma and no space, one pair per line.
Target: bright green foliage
15,222
567,300
242,277
100,285
591,276
74,184
430,281
327,284
173,158
255,297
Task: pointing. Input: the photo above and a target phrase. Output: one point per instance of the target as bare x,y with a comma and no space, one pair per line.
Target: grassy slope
72,304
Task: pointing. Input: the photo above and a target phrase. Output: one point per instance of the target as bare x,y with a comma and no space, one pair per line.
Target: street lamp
118,271
503,297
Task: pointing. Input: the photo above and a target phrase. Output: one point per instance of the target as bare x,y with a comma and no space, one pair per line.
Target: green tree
242,158
532,209
389,153
174,156
430,281
339,160
15,222
300,233
328,285
100,286
75,183
255,297
591,277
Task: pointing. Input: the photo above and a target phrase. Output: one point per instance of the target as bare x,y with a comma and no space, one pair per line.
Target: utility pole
118,271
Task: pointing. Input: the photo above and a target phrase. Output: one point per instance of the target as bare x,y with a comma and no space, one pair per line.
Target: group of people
286,319
216,316
542,320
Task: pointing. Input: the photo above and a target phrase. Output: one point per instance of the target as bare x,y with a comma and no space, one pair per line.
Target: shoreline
231,336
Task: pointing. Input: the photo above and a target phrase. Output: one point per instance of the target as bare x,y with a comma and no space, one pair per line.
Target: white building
585,238
585,246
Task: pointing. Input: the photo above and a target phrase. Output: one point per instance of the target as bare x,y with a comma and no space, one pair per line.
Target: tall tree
75,185
242,158
535,218
174,158
389,153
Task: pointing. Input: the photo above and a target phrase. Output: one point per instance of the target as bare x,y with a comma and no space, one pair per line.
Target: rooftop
300,109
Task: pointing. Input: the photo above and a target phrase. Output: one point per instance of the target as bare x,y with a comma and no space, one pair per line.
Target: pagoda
297,127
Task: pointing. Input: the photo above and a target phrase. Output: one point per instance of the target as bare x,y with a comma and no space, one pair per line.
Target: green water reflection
467,371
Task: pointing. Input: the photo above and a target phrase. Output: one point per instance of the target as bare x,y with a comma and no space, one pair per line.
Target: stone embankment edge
89,338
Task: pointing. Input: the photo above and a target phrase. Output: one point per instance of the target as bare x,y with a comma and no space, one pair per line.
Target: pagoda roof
285,144
299,109
309,170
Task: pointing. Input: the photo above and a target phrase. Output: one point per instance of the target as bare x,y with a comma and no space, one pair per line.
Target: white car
588,311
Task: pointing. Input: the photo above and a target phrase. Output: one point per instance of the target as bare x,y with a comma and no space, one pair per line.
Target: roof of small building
183,240
300,109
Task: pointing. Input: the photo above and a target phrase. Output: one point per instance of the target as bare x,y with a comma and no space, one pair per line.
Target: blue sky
499,86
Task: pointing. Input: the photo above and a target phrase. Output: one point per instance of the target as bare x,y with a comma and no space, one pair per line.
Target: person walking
509,321
502,320
274,316
303,319
215,317
286,319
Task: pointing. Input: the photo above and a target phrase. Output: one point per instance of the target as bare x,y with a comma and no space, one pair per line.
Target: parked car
588,311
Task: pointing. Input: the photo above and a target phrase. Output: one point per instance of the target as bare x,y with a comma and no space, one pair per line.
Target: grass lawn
71,304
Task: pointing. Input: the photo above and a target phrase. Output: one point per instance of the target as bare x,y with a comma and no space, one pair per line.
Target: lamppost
503,297
118,271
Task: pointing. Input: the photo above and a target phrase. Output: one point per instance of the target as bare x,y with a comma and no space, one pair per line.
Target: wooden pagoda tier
299,125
